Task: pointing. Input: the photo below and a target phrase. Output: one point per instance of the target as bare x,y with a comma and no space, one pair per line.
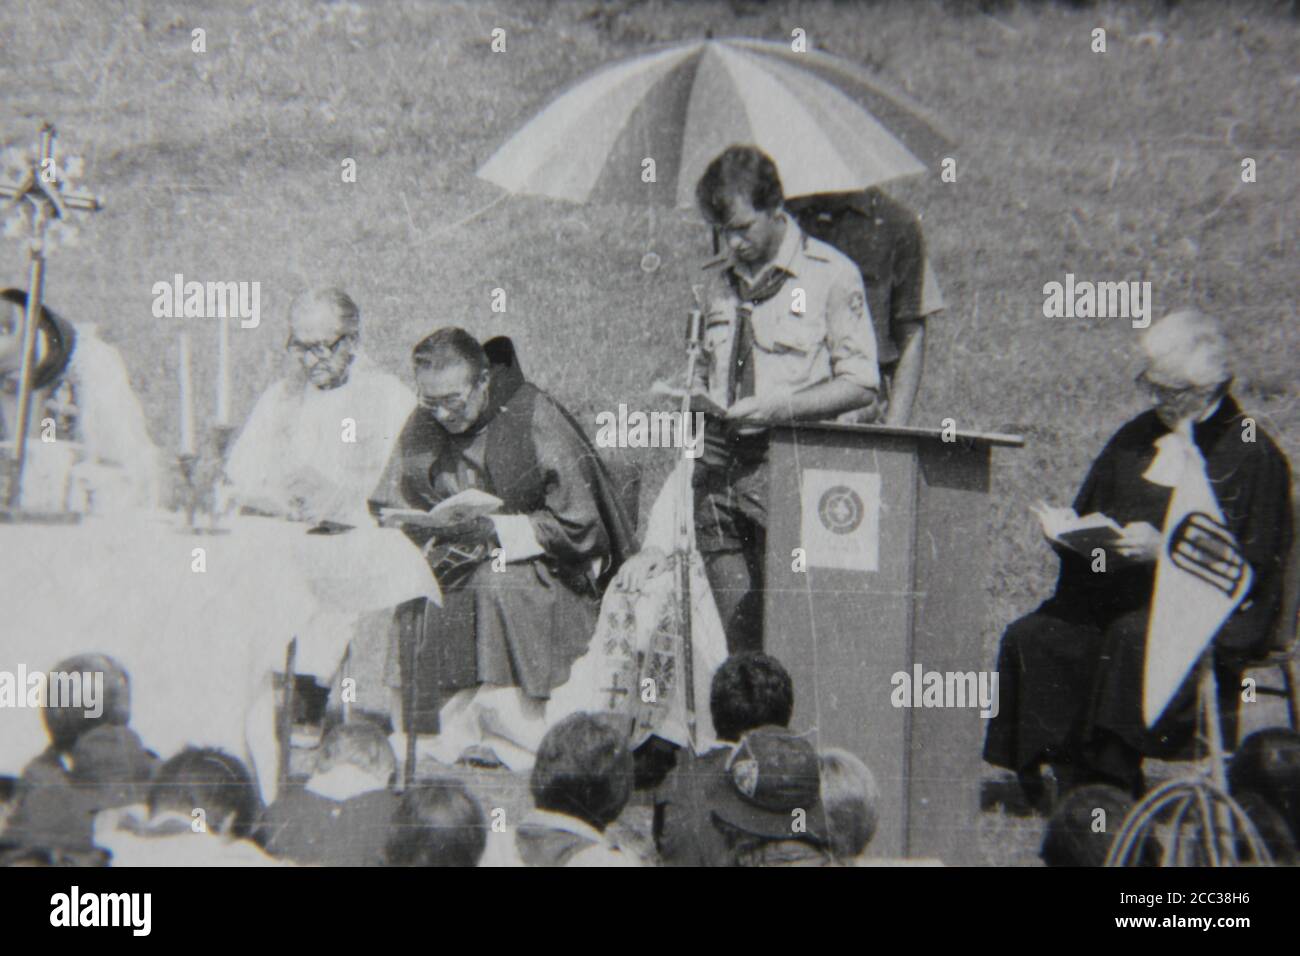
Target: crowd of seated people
97,796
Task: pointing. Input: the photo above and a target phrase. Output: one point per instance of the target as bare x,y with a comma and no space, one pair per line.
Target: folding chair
1282,656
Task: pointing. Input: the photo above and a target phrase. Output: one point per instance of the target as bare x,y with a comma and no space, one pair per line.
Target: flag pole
42,188
31,322
682,549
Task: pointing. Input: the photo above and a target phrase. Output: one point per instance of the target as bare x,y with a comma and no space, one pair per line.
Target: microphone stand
682,541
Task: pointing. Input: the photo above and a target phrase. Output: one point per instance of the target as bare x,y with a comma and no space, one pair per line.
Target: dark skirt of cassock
1070,675
520,626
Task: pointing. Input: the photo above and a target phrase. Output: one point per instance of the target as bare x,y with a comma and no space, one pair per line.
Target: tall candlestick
223,373
187,398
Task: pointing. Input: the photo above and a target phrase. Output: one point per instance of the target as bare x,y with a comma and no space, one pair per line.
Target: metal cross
42,187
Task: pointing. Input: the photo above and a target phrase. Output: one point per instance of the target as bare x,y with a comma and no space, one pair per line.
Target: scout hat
772,788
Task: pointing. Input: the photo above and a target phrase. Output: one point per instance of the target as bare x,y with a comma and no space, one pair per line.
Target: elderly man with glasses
1072,672
319,438
521,589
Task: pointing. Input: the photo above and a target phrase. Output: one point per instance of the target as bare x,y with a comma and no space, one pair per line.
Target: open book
1079,534
700,400
458,509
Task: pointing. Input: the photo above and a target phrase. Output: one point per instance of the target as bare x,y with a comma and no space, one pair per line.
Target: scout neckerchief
740,379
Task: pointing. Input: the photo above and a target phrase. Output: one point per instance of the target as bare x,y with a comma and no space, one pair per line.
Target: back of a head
208,780
437,824
744,171
750,690
1270,825
1268,763
1084,824
94,690
360,744
851,800
447,346
583,770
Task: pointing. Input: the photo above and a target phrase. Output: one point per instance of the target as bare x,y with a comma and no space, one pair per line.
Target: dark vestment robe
524,625
1071,673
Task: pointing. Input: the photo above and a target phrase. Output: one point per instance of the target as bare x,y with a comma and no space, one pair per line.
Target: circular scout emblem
745,775
840,510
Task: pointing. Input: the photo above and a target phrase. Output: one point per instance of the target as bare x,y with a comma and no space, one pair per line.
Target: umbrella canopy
828,126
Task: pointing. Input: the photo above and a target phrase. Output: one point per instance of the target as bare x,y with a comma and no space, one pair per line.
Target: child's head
584,770
1084,824
361,745
750,690
208,780
850,798
91,690
1272,829
437,824
1268,763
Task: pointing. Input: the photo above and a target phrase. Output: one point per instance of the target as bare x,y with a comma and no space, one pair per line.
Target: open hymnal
460,508
700,400
1079,534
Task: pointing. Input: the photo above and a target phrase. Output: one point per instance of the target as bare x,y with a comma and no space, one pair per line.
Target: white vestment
108,463
324,448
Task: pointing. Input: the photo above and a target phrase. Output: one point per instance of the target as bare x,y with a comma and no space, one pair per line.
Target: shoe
1034,788
480,756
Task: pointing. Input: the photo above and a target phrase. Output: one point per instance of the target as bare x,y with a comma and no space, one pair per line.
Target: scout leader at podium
787,337
511,625
1072,672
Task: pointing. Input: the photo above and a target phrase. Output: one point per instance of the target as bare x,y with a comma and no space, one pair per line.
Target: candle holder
217,479
202,478
188,462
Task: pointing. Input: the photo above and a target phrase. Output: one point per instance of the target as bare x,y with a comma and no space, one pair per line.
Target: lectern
877,552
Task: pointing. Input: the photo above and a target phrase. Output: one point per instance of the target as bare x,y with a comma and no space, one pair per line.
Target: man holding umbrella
787,337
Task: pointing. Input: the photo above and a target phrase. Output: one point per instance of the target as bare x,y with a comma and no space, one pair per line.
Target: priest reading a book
518,519
1178,537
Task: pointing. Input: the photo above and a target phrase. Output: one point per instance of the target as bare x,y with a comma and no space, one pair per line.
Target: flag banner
1201,578
841,519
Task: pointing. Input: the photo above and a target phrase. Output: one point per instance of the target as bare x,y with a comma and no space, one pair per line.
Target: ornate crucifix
41,187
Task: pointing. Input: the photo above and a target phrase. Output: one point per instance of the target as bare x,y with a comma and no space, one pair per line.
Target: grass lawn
226,166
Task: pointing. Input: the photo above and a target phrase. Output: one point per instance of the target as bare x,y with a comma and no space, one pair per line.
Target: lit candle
223,373
187,398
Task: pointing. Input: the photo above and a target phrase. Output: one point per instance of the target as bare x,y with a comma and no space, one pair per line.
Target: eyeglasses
1162,391
454,404
319,349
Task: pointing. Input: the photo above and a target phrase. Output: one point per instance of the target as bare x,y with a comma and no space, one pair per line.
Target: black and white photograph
650,433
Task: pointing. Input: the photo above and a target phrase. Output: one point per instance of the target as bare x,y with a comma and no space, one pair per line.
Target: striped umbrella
825,122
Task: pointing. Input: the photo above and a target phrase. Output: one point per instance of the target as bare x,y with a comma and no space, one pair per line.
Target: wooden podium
892,523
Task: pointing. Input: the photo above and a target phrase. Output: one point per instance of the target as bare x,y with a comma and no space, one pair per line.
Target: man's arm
907,374
855,374
568,526
822,401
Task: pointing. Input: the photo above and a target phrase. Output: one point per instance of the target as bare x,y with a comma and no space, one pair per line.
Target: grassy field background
226,166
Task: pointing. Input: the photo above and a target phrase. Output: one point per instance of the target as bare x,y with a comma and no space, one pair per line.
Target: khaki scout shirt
831,337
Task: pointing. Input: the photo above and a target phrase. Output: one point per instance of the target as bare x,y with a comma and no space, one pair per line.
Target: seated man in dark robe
521,588
1072,672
